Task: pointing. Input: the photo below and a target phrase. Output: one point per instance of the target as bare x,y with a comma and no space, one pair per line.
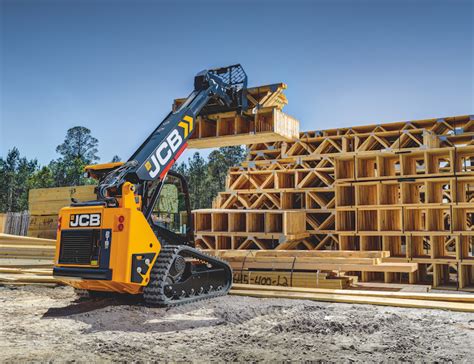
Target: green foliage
69,172
206,179
78,150
219,162
79,145
197,181
18,174
15,173
42,178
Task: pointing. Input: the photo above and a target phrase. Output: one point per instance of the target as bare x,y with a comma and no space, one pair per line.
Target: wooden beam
446,297
382,301
25,240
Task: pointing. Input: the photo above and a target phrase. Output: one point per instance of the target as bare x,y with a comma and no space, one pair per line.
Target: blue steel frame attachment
226,87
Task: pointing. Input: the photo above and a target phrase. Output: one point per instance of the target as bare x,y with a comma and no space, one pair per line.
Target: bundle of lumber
45,203
23,247
453,302
310,269
26,260
293,279
324,260
23,276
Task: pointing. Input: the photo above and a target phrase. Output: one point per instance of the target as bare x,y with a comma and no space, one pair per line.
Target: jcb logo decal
187,125
168,147
83,220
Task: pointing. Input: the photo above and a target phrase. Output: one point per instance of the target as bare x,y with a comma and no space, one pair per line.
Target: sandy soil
51,324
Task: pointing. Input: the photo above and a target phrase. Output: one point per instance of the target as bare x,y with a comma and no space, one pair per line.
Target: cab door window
170,211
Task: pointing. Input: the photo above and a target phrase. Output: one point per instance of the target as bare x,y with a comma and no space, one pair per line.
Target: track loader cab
137,236
171,218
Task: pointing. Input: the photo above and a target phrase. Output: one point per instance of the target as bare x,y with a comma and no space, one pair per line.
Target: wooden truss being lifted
263,121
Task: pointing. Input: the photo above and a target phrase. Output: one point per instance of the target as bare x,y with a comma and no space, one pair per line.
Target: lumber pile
45,203
23,247
312,269
452,302
26,260
26,276
404,187
264,121
293,279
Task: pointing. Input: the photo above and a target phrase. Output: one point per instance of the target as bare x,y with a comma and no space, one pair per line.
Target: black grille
77,246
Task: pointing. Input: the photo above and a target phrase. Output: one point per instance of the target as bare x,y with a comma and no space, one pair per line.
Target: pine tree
79,144
77,151
15,172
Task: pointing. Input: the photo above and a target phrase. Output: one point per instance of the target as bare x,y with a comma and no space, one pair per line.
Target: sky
116,66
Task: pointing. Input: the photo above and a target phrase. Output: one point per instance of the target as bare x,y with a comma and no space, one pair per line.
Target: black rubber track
154,292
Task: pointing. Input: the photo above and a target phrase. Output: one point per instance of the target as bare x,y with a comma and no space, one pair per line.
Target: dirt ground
51,324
